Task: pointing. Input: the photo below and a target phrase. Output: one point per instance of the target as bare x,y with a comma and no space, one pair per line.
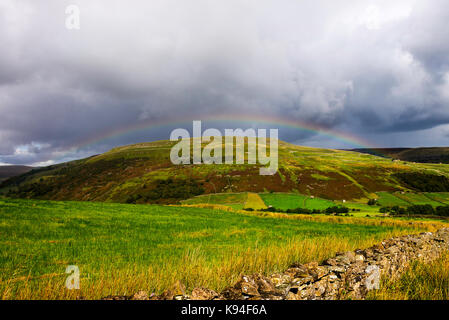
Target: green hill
143,173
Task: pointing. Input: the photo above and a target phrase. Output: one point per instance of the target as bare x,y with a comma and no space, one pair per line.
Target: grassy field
440,197
121,248
254,201
408,198
420,282
364,208
234,200
388,200
418,199
286,201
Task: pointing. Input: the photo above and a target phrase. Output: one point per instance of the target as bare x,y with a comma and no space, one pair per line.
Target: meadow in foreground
121,249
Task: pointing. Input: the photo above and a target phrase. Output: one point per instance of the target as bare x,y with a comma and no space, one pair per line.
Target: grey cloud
369,67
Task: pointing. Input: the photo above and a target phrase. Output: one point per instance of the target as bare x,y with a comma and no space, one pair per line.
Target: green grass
254,201
234,200
417,199
387,199
440,197
283,201
237,207
365,209
286,201
121,249
408,198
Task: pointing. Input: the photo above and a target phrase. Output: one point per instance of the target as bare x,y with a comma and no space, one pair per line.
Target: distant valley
11,171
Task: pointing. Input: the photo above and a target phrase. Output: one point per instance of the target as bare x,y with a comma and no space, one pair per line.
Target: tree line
417,210
329,210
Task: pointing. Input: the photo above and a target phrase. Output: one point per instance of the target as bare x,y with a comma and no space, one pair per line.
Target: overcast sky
378,70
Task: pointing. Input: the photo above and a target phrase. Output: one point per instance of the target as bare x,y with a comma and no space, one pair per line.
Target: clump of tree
330,210
420,210
170,188
337,209
424,182
417,210
31,190
442,211
372,202
301,211
394,210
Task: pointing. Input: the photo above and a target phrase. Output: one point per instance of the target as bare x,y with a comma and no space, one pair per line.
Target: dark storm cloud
373,68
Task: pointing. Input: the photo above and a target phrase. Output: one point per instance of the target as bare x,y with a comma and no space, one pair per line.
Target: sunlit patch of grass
286,201
219,198
388,199
442,197
255,202
417,199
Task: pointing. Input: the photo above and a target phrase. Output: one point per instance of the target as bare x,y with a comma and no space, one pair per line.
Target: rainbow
346,138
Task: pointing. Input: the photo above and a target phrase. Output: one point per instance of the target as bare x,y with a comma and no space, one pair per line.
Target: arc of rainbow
295,124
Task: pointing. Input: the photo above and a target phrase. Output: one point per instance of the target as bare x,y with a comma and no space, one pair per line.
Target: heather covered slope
143,173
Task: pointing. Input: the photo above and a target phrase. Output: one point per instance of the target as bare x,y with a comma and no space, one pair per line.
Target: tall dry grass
420,282
193,269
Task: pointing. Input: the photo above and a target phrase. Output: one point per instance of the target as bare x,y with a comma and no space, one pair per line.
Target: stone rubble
349,275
